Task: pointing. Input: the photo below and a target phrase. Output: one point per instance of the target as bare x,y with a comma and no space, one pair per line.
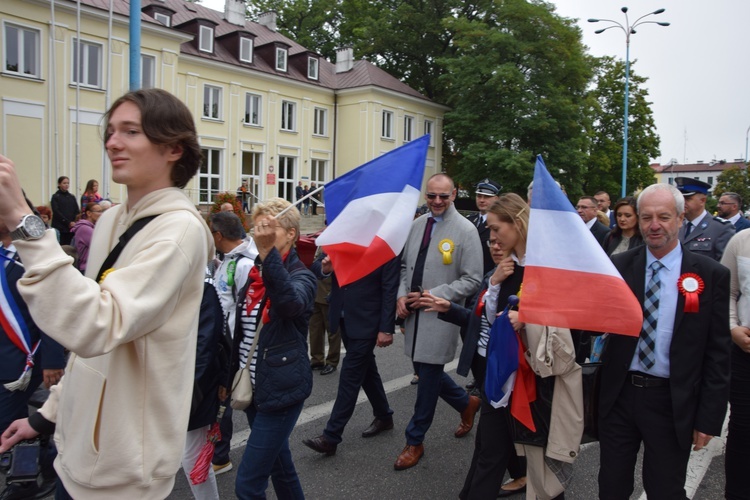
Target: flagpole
299,201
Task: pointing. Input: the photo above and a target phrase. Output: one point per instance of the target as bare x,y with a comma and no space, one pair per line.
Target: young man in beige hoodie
120,412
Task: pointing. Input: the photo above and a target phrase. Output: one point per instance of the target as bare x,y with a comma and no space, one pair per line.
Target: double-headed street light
628,29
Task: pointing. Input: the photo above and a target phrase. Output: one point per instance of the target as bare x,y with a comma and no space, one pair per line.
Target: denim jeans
267,454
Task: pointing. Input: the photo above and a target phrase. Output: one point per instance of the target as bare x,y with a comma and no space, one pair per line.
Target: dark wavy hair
631,202
165,121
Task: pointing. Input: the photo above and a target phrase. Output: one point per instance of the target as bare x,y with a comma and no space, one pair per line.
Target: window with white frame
320,121
253,103
251,169
246,49
22,51
148,71
87,63
209,176
408,128
288,116
163,18
312,68
285,180
318,172
206,39
428,127
387,130
281,54
212,102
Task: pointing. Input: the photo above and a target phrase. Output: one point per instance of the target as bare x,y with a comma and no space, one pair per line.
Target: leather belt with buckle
647,381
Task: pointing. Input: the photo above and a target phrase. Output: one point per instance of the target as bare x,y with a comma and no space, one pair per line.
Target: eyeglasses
443,196
584,207
726,203
492,243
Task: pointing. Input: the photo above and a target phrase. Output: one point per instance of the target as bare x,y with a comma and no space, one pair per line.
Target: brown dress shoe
467,417
321,445
377,426
409,457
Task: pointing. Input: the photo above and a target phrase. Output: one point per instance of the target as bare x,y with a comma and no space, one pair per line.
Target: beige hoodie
122,408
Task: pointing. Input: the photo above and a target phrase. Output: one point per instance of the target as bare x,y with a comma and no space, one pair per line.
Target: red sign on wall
270,179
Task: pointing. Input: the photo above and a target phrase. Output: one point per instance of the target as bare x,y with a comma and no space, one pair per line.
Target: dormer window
281,55
206,39
246,49
163,18
312,68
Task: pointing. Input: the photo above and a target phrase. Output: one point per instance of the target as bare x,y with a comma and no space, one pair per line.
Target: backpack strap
124,239
234,276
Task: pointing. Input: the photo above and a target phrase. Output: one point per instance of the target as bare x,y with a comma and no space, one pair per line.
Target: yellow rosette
446,247
105,274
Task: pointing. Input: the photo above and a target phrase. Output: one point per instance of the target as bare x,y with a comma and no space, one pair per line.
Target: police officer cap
689,187
488,187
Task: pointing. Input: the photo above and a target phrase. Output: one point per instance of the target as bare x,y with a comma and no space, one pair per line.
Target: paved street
362,469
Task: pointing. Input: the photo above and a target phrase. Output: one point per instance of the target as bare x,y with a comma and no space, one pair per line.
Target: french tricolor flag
569,281
370,211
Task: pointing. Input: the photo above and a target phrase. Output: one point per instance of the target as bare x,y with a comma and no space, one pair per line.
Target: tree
314,24
517,86
604,166
734,180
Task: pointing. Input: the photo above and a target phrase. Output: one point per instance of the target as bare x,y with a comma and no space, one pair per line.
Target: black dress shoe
321,445
328,370
319,366
377,426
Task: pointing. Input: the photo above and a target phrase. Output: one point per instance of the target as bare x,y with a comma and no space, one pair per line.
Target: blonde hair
273,206
512,209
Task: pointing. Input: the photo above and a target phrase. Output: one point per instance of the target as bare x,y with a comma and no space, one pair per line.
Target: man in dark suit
702,233
669,388
730,208
602,203
49,363
486,194
587,208
365,313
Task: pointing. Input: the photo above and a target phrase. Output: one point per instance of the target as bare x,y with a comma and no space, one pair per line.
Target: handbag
242,385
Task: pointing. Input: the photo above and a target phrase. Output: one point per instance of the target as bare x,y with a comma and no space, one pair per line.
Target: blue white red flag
370,211
14,326
569,281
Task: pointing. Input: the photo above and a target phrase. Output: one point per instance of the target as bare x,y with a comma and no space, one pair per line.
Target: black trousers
738,439
641,415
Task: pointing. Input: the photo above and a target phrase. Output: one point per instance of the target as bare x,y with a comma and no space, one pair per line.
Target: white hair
679,199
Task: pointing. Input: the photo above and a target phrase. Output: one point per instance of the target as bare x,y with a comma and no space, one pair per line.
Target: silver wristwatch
31,228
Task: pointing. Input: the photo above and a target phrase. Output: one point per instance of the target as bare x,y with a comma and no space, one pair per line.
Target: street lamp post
628,29
747,134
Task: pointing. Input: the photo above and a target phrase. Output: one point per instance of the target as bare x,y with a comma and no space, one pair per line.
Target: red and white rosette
691,286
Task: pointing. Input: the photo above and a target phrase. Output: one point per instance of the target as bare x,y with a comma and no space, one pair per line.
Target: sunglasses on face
432,196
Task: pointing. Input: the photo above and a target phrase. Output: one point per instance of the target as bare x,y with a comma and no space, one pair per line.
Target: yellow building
268,110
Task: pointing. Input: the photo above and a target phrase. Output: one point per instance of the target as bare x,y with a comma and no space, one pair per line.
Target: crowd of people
159,295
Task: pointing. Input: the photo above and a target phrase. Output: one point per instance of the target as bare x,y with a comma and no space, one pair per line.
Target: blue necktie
688,229
647,342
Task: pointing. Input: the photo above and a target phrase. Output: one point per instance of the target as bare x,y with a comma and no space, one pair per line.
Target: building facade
706,172
267,110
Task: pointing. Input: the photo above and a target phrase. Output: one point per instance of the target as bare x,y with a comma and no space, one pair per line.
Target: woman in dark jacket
276,305
494,451
64,210
626,234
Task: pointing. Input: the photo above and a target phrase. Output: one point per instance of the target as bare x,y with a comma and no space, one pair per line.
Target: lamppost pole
747,134
628,29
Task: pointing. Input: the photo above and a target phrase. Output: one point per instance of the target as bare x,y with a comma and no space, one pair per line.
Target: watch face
34,226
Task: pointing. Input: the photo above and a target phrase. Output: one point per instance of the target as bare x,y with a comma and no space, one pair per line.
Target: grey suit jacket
709,237
429,340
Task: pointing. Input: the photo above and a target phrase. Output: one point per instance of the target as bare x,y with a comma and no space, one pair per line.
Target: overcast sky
698,69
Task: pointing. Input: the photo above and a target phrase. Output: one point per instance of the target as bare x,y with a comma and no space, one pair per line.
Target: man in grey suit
586,208
702,233
443,255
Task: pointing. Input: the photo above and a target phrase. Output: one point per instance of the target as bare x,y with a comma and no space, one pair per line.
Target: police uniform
710,235
486,187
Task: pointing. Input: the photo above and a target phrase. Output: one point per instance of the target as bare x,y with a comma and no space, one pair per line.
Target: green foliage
314,24
517,88
604,166
734,180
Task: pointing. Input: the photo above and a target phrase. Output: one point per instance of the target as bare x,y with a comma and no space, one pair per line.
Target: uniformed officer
487,191
702,233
